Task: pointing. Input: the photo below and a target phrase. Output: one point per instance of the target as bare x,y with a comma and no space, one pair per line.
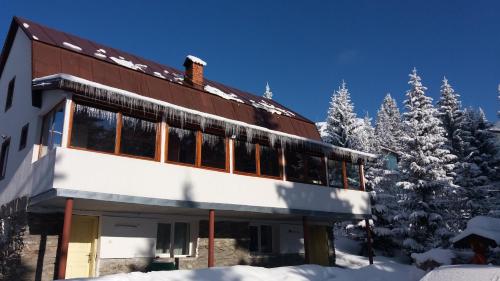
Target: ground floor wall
36,237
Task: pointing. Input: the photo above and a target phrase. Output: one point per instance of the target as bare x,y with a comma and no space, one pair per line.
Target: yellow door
318,245
82,247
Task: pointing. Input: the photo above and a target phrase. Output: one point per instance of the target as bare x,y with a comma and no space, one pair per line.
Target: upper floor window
305,167
244,157
181,145
52,129
4,155
353,177
93,129
213,151
269,158
23,140
10,93
112,132
335,177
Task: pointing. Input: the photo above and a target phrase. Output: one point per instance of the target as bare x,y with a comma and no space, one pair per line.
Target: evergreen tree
424,169
388,129
341,121
268,94
364,136
450,113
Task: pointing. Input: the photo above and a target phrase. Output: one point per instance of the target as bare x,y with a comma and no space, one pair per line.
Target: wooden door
318,245
82,247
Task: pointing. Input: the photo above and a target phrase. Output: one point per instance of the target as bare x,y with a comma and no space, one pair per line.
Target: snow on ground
351,268
483,226
442,256
464,272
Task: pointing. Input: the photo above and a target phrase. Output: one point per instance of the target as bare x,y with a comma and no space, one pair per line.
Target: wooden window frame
51,111
258,172
226,149
167,138
4,157
23,139
346,179
343,184
119,114
10,93
304,154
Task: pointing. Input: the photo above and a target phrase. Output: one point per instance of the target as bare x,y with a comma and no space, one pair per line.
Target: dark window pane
335,173
269,161
4,156
316,172
138,137
10,94
244,157
163,238
24,136
254,239
181,238
93,129
266,239
213,151
295,165
52,130
181,145
352,175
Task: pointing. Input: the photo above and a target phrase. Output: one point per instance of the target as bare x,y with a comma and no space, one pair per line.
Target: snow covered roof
55,52
196,60
483,226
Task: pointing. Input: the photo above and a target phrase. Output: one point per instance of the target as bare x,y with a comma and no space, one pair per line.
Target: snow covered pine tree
268,94
425,173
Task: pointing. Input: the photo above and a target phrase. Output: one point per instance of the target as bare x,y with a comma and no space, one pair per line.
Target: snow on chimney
194,70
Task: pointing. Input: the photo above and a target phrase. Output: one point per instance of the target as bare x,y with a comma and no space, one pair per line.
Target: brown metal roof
52,54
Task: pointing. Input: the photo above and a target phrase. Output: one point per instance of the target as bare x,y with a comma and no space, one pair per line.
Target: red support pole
305,225
369,240
211,234
63,251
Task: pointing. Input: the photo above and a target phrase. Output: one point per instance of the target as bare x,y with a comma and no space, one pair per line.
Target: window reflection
52,129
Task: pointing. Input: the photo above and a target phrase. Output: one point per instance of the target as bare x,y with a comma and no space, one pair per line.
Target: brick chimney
194,70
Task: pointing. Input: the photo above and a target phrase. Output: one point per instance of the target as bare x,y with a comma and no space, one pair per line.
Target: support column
306,239
362,177
211,234
63,250
369,240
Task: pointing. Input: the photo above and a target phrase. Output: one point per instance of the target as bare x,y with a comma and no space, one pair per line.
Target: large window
93,129
213,151
335,173
172,239
4,155
181,145
52,129
112,132
269,161
138,137
305,167
352,175
261,239
10,94
244,157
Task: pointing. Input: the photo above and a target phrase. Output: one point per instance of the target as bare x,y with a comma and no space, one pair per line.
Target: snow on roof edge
344,151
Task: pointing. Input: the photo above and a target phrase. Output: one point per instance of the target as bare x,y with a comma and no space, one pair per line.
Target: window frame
167,139
10,94
119,113
346,181
304,170
259,239
46,115
258,172
200,152
4,157
342,173
23,138
189,241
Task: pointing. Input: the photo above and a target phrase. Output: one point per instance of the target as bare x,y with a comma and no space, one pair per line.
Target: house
109,161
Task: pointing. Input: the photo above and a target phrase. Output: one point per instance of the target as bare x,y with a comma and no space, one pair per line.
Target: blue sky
303,48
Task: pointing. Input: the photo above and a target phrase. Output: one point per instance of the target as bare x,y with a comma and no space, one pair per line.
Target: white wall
291,238
19,178
97,172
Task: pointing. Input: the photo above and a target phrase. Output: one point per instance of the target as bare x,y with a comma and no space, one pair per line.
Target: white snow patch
441,256
124,62
158,74
196,60
483,226
465,272
34,37
101,51
214,91
26,25
71,46
166,72
100,55
262,104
